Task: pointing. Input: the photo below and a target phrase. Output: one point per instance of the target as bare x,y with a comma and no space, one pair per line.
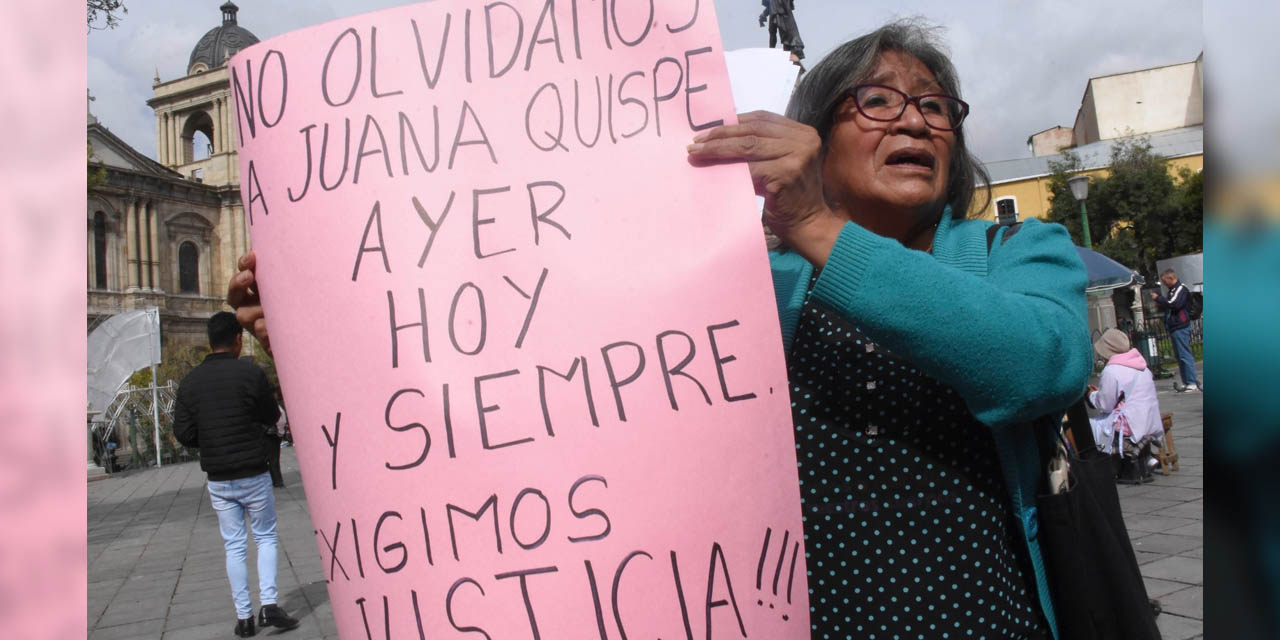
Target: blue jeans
231,499
1186,361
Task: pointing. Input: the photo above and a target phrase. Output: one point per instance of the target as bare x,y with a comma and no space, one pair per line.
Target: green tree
1139,213
104,14
1063,207
1138,195
268,364
1188,210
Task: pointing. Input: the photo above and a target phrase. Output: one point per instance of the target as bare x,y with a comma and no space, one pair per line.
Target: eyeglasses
886,104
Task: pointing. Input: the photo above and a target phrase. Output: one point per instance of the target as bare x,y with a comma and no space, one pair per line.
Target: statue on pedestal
779,16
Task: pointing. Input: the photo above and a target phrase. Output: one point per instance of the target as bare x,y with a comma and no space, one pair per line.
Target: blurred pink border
43,439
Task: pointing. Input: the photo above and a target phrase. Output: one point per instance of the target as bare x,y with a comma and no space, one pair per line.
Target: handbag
1094,581
1093,574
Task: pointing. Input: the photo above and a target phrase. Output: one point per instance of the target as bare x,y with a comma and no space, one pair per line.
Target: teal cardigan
1007,329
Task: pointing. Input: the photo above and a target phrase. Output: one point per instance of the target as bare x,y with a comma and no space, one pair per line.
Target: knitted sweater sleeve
1013,343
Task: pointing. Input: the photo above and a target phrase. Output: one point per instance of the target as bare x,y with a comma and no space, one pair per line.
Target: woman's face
889,168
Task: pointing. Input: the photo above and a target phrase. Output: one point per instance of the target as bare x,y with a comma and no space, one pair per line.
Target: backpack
1194,306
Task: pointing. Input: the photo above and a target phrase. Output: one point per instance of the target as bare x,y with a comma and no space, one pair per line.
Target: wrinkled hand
785,159
242,295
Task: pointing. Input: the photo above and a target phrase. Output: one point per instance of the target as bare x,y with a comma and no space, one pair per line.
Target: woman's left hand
785,159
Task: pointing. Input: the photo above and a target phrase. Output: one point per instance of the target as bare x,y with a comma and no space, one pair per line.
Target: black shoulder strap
995,229
1076,419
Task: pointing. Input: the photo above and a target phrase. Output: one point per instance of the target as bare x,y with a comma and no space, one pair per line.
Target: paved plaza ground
156,565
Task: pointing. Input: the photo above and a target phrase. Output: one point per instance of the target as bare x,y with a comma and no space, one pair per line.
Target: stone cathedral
167,232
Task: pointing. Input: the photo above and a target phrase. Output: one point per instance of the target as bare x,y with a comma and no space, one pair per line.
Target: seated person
1128,417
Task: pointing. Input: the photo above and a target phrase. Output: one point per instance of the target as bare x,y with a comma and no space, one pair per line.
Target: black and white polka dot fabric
908,530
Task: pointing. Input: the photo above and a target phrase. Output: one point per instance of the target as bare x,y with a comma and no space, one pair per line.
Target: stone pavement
1164,520
156,566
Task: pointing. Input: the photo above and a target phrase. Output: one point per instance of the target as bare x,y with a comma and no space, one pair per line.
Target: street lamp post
1080,189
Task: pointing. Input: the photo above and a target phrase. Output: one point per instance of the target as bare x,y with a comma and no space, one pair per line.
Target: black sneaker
244,628
271,615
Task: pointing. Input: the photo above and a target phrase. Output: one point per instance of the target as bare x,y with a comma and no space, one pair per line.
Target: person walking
1178,321
223,408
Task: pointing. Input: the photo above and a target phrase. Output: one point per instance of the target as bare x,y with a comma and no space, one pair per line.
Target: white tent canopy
119,346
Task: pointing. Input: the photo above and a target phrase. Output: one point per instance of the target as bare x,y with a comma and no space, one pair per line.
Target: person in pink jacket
1128,417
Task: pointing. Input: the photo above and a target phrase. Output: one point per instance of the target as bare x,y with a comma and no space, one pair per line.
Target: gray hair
823,88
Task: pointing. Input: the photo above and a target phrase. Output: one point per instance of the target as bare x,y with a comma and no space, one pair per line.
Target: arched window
99,250
197,137
188,268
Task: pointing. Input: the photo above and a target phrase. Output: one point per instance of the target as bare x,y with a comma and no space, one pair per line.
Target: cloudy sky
1023,64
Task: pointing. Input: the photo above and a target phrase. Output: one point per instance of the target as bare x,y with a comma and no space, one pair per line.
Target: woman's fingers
247,262
249,315
758,136
260,332
749,148
785,161
243,288
753,123
242,295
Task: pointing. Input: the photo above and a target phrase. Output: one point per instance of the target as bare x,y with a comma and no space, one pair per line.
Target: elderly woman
917,356
1128,410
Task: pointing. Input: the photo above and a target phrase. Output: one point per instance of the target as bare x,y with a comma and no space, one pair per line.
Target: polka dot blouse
908,529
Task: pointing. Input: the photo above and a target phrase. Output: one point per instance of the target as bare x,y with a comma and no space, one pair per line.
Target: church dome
220,43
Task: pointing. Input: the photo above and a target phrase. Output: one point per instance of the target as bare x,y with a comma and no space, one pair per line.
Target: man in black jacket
1178,321
223,408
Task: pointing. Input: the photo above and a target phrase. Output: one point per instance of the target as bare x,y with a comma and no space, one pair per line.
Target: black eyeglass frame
852,94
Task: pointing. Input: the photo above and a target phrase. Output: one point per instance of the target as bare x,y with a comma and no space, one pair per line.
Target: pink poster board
530,355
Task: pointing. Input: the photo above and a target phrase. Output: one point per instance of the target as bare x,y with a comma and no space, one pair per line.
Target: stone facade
157,239
167,232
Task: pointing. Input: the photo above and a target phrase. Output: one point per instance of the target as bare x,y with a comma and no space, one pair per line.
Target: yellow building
1164,104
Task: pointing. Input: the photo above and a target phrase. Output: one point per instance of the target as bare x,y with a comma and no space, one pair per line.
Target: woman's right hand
785,160
242,295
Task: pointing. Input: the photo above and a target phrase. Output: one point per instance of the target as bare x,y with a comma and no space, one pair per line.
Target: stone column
176,135
227,141
93,263
112,251
225,129
229,126
217,126
159,147
236,232
144,245
1139,319
115,249
244,232
204,266
153,244
131,241
168,139
170,159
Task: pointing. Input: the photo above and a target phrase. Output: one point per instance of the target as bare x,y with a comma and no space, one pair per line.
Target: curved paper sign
531,356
